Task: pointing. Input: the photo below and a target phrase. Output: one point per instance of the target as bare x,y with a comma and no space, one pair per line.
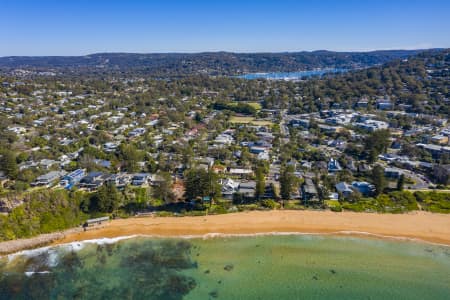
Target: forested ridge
210,63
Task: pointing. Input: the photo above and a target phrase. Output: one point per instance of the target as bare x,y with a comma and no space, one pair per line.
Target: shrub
269,203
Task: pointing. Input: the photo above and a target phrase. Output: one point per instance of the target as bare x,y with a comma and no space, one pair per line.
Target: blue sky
79,27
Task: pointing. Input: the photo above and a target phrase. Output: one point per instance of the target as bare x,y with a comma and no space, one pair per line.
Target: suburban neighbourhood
251,143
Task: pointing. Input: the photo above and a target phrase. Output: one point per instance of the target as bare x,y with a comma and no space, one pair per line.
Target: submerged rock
228,267
214,294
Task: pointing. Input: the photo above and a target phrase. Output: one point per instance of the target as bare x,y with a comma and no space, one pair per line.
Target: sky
81,27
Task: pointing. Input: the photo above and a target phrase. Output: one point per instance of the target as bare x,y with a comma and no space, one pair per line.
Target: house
344,189
362,104
120,180
155,179
229,188
224,139
439,139
48,179
257,149
334,166
140,179
110,147
27,165
384,104
102,163
240,172
92,181
365,188
208,161
299,123
309,190
392,173
47,163
136,132
247,189
435,150
372,125
71,179
152,123
263,156
17,129
330,129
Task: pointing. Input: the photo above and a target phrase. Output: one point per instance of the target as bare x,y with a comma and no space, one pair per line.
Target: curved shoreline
417,226
76,245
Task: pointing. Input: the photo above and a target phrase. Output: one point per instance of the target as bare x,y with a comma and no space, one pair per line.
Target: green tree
130,156
376,143
260,183
378,179
163,190
8,164
107,199
201,183
187,155
401,182
287,181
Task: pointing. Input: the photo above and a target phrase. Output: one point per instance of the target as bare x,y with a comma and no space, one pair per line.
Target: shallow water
250,267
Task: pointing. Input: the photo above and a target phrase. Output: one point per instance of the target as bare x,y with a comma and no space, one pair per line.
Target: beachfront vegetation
43,211
394,202
46,211
434,202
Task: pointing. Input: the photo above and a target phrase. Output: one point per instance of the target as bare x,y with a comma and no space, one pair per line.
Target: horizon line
235,52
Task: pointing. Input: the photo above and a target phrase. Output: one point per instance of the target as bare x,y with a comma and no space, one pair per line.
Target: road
284,130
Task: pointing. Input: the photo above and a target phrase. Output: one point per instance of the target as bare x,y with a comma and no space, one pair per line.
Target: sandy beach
422,226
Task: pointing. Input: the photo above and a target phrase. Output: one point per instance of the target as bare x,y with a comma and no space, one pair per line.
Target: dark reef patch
138,269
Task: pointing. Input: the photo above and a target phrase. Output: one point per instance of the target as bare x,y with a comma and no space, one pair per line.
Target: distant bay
291,75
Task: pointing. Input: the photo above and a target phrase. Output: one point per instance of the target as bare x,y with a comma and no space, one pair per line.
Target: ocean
290,266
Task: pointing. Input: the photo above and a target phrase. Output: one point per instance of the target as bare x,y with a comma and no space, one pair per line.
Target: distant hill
419,84
211,63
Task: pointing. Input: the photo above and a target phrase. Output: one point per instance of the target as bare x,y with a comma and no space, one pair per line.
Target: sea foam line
212,235
72,246
78,245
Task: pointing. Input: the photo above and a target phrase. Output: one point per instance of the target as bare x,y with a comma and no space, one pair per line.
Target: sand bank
423,226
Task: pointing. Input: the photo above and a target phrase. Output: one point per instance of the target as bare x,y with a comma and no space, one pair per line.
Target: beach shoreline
417,226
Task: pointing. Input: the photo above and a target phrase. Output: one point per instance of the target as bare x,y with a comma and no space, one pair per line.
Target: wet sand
429,227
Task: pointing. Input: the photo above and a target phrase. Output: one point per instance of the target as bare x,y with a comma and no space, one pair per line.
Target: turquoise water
291,75
247,267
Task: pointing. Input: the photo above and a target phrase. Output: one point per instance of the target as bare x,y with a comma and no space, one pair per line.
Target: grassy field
262,123
249,120
255,105
241,120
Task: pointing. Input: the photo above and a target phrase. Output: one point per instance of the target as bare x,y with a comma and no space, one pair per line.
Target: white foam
76,246
212,235
391,237
28,253
73,246
29,274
